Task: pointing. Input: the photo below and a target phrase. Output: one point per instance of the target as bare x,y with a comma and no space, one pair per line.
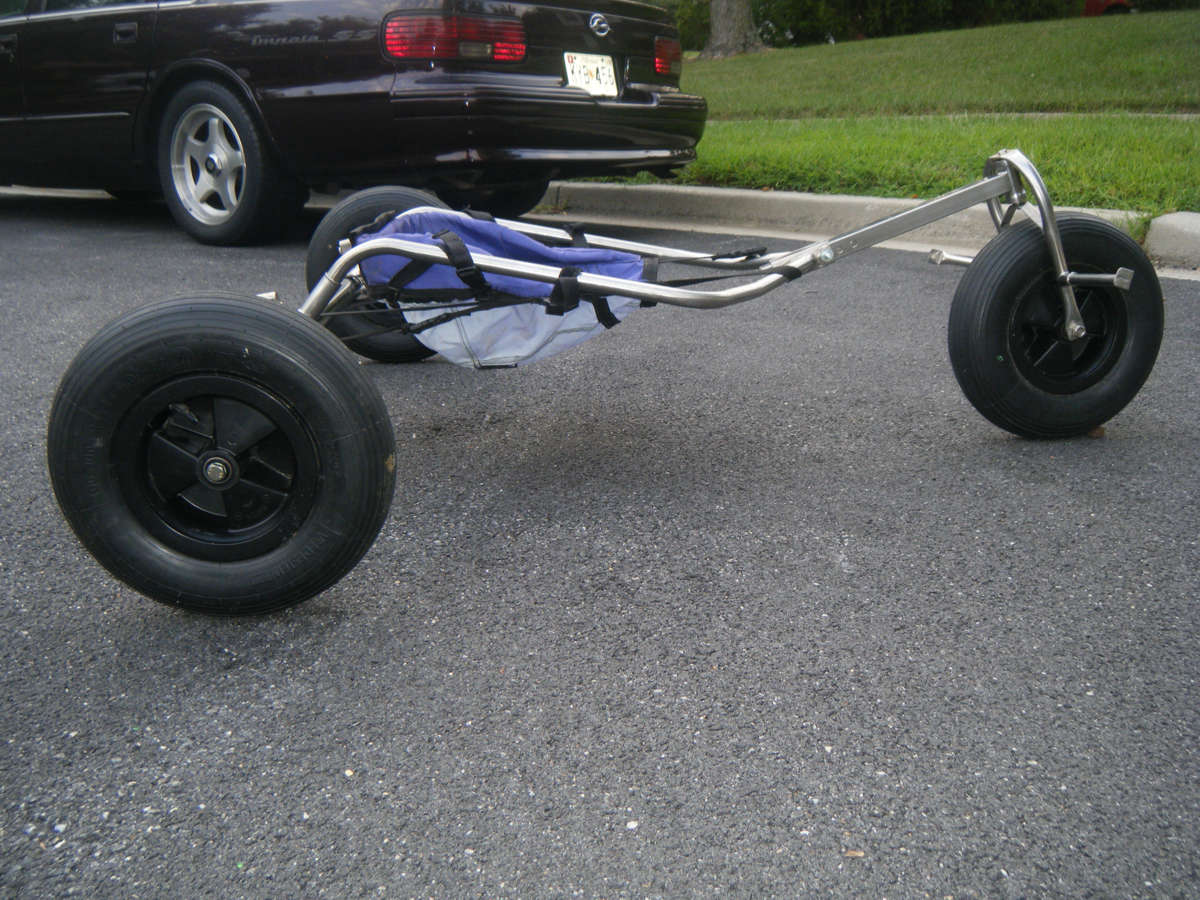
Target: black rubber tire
221,454
259,199
1004,333
508,201
362,333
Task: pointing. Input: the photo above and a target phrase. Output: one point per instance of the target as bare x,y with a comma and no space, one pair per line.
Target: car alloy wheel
208,166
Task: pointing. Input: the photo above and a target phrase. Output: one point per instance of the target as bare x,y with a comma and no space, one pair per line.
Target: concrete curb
1173,240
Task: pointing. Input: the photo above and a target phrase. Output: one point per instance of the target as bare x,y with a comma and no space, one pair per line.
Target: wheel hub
217,467
207,164
1049,356
219,471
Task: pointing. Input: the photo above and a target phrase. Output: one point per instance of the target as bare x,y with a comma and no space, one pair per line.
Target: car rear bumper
563,130
525,128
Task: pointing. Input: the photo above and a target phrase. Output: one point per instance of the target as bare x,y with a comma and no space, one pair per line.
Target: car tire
509,201
1005,332
221,454
366,333
218,176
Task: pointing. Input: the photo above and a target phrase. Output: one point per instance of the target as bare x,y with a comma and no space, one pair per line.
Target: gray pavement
742,603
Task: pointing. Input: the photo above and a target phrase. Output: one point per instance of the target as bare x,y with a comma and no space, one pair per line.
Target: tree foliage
787,22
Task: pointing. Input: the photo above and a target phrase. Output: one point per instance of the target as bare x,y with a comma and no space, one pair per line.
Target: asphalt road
737,603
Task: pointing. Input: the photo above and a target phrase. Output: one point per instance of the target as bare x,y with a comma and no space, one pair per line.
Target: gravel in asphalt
737,603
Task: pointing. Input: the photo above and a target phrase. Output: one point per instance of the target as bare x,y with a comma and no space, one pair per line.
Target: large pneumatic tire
221,454
217,174
366,334
1005,334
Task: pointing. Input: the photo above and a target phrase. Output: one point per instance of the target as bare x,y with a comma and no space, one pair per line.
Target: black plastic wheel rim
216,467
1040,349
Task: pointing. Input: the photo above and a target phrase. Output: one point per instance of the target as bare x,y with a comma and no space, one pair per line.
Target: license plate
592,72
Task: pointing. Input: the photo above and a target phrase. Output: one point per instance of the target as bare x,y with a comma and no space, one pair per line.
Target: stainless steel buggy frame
1003,189
224,455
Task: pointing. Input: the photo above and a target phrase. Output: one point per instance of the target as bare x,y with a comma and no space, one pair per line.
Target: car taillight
668,56
454,37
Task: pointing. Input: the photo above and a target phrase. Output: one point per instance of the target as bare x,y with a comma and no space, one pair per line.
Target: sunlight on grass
1147,62
1108,109
1143,163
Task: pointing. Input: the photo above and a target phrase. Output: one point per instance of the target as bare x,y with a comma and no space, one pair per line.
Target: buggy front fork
1009,178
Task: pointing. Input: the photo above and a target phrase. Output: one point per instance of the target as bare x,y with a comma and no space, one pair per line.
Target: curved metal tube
330,283
1005,176
1018,162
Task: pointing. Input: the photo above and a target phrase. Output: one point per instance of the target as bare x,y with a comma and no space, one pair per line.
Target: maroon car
233,110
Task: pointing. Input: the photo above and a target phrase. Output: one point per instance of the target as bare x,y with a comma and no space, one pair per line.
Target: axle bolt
216,471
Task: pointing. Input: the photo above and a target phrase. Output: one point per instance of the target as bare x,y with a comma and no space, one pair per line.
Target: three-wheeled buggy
226,455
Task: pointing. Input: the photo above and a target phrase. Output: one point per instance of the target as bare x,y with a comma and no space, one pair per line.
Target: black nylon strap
740,253
649,274
460,257
565,296
410,272
604,313
575,230
394,297
791,273
374,225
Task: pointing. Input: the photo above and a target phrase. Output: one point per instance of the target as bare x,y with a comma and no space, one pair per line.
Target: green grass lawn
1109,110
